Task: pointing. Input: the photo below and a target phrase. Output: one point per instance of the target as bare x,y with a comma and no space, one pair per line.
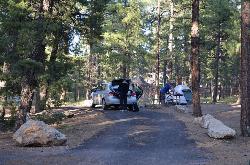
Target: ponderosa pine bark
29,80
195,59
171,40
245,68
216,65
28,84
157,68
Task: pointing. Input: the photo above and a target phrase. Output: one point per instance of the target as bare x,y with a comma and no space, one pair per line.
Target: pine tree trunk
3,112
245,68
63,95
216,65
124,70
5,70
99,67
89,72
28,85
36,104
44,95
171,40
157,65
43,90
128,66
164,72
186,61
75,91
195,59
29,80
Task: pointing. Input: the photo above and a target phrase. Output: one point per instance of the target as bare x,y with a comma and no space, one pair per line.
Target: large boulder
37,133
87,103
205,120
216,129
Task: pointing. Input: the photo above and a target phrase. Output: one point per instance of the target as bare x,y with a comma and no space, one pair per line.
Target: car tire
135,107
116,107
104,106
130,107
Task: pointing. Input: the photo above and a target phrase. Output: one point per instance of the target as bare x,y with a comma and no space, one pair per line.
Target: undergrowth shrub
8,123
54,118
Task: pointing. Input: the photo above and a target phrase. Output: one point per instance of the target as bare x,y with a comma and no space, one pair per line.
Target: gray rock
206,119
198,120
37,133
216,129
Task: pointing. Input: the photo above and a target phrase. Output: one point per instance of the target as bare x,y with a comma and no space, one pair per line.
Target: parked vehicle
107,95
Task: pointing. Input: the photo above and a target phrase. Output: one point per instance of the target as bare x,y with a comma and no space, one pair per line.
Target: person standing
164,90
123,91
138,91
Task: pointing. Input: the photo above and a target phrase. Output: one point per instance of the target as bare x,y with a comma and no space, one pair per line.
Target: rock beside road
37,133
216,129
206,120
87,103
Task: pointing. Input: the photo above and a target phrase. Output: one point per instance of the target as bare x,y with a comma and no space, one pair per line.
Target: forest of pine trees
60,49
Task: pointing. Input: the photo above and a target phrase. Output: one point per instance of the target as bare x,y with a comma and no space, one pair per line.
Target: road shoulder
227,151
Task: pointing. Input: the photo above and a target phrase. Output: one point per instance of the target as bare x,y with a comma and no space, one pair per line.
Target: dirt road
148,137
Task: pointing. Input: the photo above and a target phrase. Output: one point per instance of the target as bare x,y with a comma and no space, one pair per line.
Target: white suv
107,95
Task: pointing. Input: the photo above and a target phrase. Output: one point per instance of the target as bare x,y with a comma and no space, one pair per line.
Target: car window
115,87
102,87
93,90
106,86
96,89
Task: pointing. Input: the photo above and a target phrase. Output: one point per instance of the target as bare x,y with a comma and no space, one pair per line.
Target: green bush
229,100
9,123
58,117
51,118
226,100
57,103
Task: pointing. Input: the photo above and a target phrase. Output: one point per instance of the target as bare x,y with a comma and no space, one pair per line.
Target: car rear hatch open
119,81
115,84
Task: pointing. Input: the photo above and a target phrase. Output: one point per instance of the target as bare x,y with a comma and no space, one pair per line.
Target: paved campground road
148,137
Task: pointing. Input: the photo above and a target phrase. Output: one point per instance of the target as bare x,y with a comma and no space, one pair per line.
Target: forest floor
234,151
88,123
